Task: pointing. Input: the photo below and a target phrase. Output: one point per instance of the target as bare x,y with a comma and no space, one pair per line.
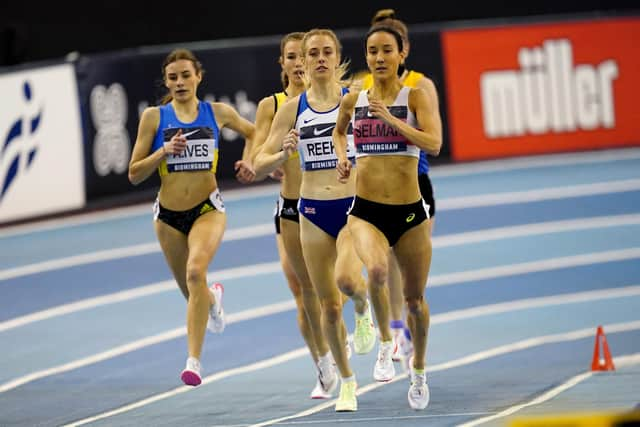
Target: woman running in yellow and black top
410,78
180,139
286,216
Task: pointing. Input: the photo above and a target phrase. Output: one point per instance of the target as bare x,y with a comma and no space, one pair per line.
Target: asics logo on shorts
411,217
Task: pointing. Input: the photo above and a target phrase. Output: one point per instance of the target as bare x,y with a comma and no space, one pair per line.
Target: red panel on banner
541,88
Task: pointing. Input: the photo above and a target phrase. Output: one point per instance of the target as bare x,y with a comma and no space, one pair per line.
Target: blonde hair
177,55
341,69
297,36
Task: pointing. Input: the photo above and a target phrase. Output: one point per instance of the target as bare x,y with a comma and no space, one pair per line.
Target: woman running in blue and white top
331,261
391,124
287,222
180,139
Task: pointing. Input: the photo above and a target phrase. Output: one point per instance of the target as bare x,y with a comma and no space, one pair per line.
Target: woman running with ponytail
391,124
286,218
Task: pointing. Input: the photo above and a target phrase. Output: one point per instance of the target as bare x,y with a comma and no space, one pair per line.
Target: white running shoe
318,391
216,321
406,345
327,374
418,394
397,335
384,370
191,373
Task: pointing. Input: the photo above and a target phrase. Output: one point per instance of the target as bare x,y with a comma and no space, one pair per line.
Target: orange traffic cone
607,363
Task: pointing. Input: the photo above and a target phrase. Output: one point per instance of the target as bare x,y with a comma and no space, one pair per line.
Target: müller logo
548,94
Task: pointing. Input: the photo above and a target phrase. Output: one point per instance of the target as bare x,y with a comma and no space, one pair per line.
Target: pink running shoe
191,373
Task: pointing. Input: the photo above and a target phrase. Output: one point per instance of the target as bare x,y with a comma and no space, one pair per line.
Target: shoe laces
348,390
324,369
384,355
363,321
418,381
193,364
322,384
365,317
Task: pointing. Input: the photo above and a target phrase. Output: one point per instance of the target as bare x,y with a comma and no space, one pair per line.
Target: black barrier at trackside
113,89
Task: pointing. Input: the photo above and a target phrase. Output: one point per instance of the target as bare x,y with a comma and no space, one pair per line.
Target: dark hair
177,55
283,42
383,14
386,29
387,17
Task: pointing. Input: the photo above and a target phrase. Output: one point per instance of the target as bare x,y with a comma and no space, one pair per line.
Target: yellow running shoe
364,336
347,401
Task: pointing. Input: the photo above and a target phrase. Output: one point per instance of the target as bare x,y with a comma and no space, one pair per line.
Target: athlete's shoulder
293,101
221,108
417,92
351,97
151,110
150,114
268,103
418,79
289,110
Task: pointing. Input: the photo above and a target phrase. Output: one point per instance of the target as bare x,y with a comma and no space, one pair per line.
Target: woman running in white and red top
391,124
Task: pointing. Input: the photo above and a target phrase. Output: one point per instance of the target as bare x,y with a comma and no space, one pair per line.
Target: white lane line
451,316
274,267
533,229
436,171
263,364
513,197
466,360
241,316
124,252
138,209
139,292
444,204
267,229
537,302
353,418
627,360
532,162
533,266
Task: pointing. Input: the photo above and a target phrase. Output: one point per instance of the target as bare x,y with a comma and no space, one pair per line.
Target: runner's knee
331,311
415,304
378,273
345,283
